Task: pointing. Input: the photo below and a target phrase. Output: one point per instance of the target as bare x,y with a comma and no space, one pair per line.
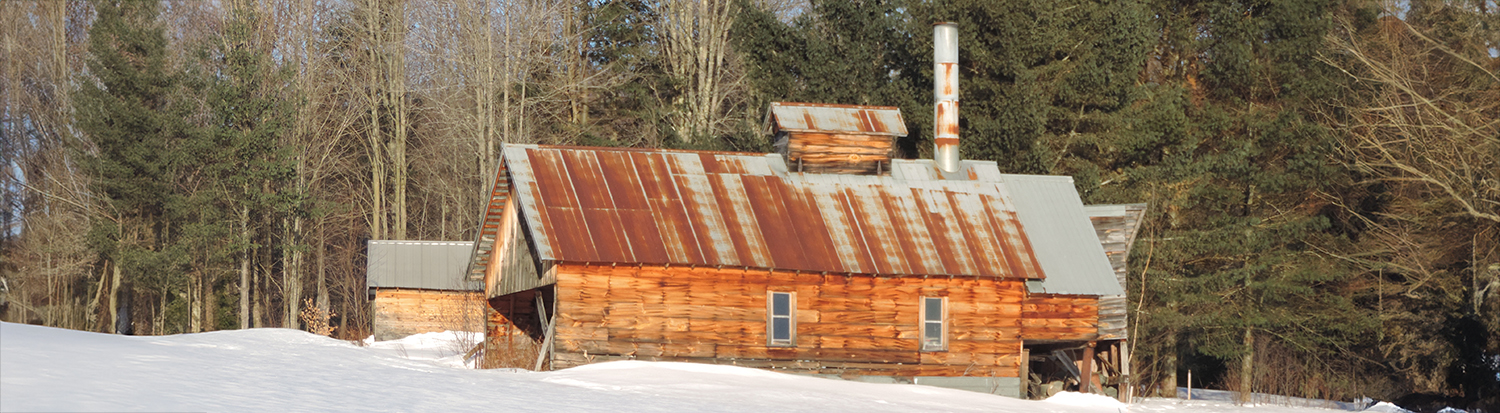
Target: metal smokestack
945,93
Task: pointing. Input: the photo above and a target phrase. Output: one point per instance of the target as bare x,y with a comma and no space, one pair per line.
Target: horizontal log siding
400,312
852,325
838,153
1056,317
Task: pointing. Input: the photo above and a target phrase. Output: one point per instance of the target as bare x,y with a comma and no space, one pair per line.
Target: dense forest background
1323,175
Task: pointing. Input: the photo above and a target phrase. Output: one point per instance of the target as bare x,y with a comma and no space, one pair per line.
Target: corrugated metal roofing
1064,238
436,265
716,209
817,117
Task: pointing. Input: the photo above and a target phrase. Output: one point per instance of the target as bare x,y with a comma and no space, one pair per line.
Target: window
934,325
781,319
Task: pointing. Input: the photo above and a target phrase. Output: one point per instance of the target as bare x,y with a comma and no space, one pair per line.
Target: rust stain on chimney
948,69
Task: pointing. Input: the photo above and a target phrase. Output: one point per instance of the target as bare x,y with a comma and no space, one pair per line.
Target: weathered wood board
846,324
815,152
1058,317
400,312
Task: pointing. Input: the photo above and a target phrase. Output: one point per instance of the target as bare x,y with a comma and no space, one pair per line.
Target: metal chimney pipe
945,93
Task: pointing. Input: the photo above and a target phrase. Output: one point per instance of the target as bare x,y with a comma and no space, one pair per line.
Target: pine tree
243,152
839,51
1230,153
129,110
1042,82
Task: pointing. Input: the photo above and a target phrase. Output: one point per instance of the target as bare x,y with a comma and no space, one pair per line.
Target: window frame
791,317
923,321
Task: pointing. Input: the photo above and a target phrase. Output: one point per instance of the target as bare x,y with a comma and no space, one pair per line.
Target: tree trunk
375,135
114,299
322,265
291,281
92,310
209,302
262,277
1169,364
194,295
1247,367
396,75
245,268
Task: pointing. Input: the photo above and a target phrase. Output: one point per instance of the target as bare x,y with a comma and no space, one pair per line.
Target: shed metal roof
852,119
435,265
717,209
1065,241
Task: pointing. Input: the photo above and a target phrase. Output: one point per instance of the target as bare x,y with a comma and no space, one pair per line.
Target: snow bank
1384,407
287,370
1069,398
446,348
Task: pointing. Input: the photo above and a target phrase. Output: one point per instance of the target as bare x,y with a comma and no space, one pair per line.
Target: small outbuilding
418,287
830,257
912,275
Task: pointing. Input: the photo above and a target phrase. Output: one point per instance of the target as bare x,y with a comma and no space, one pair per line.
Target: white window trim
942,319
791,316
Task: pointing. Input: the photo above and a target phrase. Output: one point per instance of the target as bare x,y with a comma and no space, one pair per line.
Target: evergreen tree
130,111
849,52
252,191
1233,162
1042,82
622,41
839,51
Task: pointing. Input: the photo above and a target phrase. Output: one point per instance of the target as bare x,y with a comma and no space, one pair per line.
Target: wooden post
1127,386
1086,371
1025,372
541,354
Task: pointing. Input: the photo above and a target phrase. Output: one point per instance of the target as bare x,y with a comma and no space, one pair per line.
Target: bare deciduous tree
695,47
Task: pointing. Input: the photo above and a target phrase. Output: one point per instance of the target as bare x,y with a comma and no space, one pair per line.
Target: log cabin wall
838,153
851,325
1059,317
400,312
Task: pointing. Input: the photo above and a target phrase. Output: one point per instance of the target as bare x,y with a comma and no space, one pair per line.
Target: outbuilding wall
400,312
1060,317
851,325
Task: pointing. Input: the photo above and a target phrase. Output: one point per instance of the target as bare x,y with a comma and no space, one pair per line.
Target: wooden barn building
418,287
828,258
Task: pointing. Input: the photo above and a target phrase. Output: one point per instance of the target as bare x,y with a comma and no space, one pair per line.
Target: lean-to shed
418,287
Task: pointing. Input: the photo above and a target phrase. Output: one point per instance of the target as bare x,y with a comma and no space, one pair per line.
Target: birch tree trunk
695,44
394,46
114,299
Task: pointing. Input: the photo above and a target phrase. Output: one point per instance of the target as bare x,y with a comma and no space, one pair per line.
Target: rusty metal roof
820,117
603,205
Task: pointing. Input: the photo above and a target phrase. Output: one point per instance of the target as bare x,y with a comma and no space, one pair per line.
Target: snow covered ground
47,369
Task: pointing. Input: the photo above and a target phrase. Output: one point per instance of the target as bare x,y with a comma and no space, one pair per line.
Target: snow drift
287,370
